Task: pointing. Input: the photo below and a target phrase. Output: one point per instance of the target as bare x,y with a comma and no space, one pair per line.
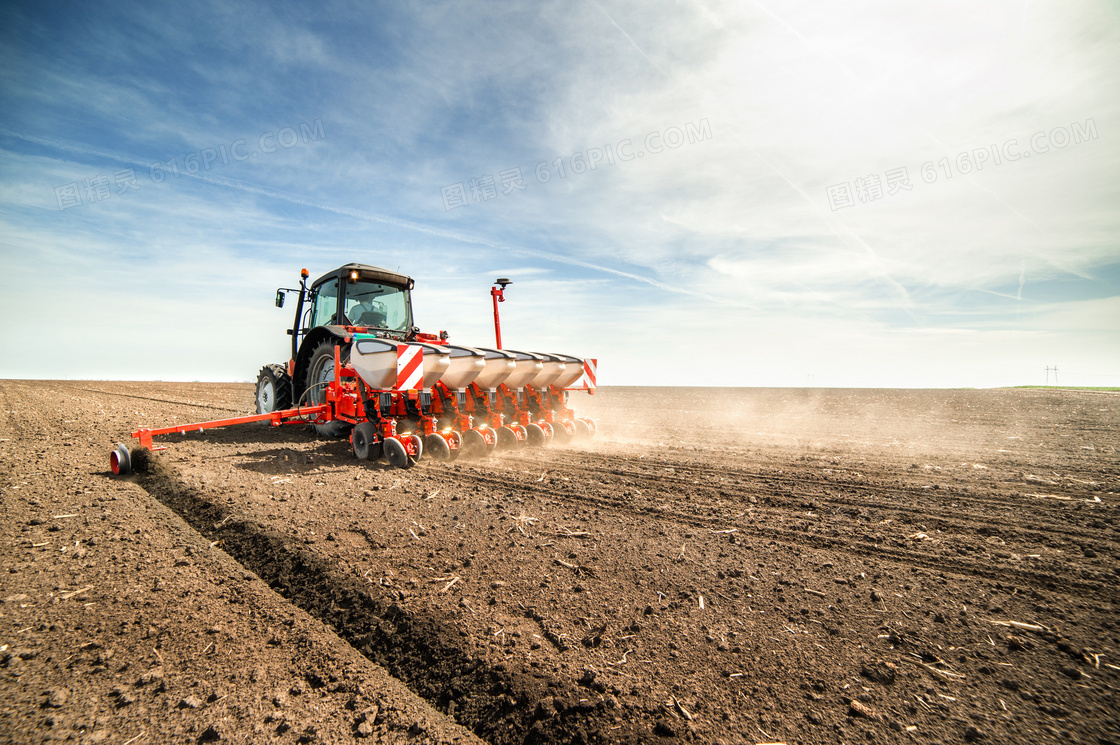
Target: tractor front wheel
274,390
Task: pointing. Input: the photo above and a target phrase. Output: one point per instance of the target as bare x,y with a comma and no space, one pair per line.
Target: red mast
498,294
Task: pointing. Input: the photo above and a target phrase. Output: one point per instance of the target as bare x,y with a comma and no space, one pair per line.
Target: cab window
326,303
378,306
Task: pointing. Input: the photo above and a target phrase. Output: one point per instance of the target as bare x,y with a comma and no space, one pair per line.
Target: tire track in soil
967,521
173,402
10,417
501,703
685,513
725,471
930,512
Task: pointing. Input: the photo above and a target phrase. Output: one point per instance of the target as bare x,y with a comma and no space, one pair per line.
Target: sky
863,194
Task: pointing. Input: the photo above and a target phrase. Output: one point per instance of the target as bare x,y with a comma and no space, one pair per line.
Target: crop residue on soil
719,565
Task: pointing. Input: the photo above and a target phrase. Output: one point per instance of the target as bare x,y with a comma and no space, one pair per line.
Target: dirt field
739,565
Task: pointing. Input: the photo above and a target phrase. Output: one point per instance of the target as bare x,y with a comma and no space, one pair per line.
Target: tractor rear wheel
274,390
320,373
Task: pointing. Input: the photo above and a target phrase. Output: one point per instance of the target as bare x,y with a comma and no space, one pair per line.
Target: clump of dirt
140,459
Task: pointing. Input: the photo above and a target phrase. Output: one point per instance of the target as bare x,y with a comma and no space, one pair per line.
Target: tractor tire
319,372
274,390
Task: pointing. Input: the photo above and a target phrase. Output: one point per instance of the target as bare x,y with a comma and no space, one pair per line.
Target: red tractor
360,366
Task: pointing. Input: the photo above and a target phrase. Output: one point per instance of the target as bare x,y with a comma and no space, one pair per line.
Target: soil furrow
971,519
500,703
685,512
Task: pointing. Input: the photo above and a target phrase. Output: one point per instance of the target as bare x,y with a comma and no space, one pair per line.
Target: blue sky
783,194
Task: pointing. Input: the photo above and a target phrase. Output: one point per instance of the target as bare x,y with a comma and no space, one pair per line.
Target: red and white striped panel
590,367
410,367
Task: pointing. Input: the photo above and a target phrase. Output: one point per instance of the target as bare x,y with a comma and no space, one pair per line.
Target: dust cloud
965,423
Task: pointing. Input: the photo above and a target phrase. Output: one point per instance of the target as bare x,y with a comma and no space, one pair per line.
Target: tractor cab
352,299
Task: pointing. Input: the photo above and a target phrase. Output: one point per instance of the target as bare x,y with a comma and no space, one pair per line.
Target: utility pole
1048,369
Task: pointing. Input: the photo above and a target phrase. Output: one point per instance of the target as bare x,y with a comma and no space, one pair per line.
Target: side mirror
279,298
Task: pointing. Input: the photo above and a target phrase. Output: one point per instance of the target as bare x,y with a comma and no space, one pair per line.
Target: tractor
360,366
353,299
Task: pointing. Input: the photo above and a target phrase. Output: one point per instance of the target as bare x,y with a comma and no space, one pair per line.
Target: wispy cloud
629,38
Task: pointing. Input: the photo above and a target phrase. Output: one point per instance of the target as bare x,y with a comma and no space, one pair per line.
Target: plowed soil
736,565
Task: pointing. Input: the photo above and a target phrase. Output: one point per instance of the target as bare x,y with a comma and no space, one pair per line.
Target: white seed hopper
573,371
467,363
499,366
527,367
552,368
375,361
